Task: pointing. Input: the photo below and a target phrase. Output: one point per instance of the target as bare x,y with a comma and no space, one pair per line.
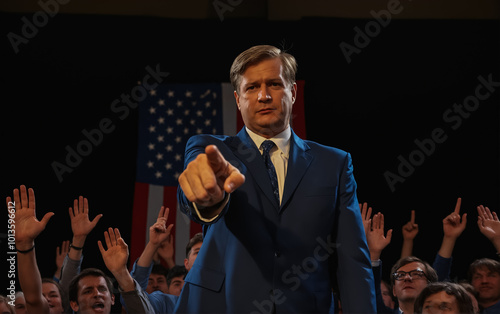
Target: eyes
254,87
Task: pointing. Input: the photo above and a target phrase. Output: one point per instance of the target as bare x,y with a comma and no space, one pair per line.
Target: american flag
168,117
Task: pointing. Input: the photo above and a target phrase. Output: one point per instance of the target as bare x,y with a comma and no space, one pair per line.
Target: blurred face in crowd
409,288
440,303
157,282
487,284
188,262
387,295
93,296
51,293
176,285
20,303
265,98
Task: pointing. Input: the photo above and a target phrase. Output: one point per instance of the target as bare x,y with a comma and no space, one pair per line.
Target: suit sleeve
354,272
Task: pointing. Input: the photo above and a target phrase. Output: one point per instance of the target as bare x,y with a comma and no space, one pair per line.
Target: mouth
99,306
265,110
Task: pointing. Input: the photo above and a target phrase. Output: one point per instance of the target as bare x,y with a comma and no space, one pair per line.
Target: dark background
392,93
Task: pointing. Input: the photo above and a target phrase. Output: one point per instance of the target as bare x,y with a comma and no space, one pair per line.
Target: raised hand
207,177
166,251
79,215
28,227
410,229
159,232
116,256
376,239
61,252
366,213
488,223
453,226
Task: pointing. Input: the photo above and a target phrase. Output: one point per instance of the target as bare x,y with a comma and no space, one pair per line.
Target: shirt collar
282,140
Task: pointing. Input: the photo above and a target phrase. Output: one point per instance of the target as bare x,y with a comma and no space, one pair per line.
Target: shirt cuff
376,263
223,204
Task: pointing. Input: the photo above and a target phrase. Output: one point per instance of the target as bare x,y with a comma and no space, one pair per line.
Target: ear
186,261
394,291
74,305
294,92
237,97
112,299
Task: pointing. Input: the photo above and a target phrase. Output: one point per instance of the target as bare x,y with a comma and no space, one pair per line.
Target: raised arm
61,252
453,226
81,226
115,258
27,228
376,238
489,225
410,231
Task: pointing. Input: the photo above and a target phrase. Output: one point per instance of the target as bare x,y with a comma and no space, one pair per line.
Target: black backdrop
392,93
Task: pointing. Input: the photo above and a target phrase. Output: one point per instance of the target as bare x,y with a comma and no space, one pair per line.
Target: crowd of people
154,283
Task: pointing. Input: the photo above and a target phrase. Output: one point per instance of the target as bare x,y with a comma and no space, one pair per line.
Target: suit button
277,254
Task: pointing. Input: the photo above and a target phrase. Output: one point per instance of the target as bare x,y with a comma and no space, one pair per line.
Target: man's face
440,303
157,282
21,303
93,296
386,296
188,262
487,284
265,98
51,293
408,289
176,285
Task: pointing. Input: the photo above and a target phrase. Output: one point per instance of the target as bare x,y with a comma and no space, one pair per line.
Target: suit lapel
244,148
298,163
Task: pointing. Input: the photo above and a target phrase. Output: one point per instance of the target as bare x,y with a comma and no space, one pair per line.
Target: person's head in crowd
20,303
484,276
5,307
55,295
387,296
473,294
157,279
192,249
175,279
90,291
444,298
409,276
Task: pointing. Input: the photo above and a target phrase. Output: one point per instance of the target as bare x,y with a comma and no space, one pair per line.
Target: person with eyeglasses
409,276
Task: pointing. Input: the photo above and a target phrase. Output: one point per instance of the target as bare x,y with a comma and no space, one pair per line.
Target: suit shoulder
321,148
206,139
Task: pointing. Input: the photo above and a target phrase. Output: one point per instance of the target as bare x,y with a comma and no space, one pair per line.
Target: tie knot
267,145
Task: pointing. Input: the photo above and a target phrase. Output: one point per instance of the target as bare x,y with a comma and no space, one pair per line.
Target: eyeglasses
414,275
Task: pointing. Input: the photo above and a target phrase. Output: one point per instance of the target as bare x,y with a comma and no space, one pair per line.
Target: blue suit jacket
258,255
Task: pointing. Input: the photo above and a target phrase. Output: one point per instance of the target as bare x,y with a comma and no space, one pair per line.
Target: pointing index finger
457,206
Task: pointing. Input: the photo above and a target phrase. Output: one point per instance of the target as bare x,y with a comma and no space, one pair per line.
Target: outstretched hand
79,215
366,213
488,223
207,177
116,256
28,227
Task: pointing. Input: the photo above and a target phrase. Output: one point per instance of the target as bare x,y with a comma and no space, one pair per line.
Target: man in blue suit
273,243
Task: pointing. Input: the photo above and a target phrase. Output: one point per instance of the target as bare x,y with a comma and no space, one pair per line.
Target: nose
264,94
